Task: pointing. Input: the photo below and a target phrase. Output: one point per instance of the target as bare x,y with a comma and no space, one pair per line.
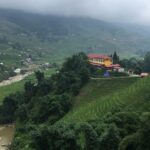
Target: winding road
14,79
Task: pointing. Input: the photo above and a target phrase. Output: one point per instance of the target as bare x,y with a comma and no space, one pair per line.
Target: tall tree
39,76
147,62
115,58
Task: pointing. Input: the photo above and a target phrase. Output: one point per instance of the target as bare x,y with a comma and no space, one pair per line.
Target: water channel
6,136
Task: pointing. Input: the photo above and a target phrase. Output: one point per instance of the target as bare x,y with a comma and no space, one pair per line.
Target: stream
6,136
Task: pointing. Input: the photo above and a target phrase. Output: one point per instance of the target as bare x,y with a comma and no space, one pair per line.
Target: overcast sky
127,11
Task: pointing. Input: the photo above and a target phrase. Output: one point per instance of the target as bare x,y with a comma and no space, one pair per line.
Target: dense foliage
50,98
137,65
115,131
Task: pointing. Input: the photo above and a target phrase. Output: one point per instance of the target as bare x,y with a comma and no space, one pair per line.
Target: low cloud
123,11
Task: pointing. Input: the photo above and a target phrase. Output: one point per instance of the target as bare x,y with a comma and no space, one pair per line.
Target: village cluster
104,61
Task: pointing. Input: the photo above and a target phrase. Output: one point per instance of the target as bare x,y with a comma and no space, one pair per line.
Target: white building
17,71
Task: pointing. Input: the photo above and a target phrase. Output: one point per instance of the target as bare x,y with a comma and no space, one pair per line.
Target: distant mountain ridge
52,38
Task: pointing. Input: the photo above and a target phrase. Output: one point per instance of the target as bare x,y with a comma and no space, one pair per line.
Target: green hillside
102,96
70,110
53,38
19,86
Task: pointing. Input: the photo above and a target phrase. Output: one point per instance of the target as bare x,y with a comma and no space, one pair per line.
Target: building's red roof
98,56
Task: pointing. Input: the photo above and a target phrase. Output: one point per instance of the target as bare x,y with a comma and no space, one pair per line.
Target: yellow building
100,60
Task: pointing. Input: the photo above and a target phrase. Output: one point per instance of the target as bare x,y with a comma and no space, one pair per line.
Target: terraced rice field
95,101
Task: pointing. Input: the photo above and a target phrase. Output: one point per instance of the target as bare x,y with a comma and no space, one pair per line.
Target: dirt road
14,79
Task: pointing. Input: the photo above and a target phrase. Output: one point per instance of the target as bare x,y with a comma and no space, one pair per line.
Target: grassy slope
101,97
18,86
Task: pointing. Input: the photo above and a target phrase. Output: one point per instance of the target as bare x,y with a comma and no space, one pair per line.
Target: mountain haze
51,38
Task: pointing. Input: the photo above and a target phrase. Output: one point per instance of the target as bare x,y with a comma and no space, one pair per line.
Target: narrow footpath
110,78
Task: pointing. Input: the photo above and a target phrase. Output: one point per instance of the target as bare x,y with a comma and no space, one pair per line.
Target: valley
73,83
25,36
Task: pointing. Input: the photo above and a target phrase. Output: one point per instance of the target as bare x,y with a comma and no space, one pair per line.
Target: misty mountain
51,38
